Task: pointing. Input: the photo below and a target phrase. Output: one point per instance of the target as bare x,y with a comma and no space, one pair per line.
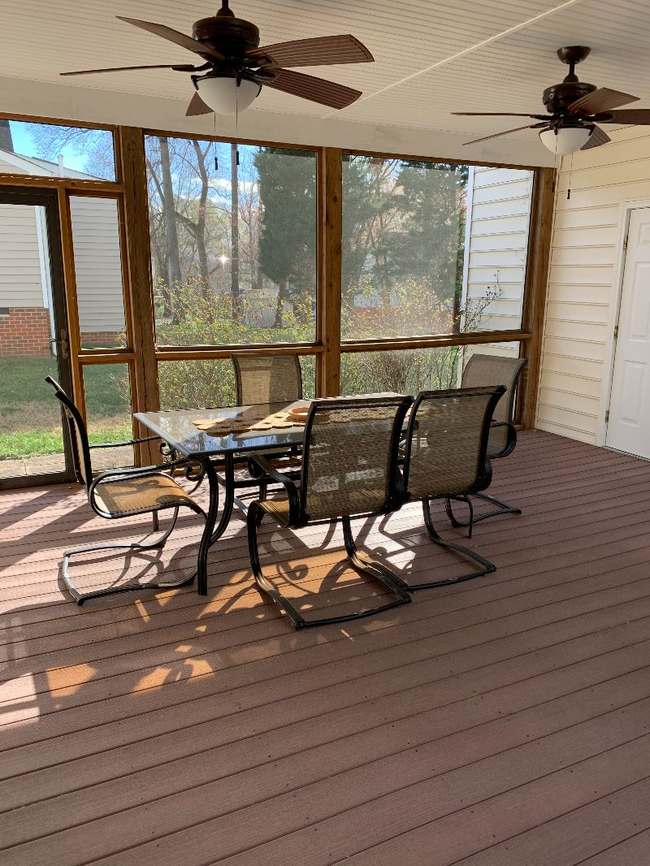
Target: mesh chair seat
278,509
357,502
124,496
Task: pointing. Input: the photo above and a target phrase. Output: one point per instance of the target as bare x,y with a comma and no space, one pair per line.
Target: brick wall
25,331
102,339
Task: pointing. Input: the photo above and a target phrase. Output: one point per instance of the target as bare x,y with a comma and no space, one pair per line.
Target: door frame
626,209
48,199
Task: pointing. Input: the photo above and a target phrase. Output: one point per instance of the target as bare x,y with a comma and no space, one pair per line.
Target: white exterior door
629,411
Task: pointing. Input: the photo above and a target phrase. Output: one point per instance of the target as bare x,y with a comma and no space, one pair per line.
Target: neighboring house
496,248
25,289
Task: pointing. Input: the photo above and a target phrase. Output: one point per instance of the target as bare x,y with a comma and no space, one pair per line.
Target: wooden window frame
142,354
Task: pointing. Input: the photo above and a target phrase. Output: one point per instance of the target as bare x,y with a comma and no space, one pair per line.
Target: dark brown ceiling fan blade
499,114
177,67
173,36
197,106
640,116
602,99
319,51
315,89
597,137
506,132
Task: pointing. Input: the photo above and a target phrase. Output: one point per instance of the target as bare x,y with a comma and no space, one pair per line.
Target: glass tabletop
179,428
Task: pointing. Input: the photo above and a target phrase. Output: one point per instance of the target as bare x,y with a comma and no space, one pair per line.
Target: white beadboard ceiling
431,58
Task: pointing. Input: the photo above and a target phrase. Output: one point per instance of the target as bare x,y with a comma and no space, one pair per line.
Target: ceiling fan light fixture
565,139
225,94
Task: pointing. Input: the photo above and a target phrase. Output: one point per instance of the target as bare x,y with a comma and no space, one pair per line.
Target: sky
23,144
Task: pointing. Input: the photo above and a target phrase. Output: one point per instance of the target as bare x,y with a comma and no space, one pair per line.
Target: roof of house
36,166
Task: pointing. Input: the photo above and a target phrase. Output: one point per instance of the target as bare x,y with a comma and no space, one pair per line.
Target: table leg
210,534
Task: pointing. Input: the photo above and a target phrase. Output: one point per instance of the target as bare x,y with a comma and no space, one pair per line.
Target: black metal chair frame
483,478
298,517
74,420
501,507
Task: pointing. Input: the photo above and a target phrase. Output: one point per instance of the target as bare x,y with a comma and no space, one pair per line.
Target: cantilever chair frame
482,480
501,507
82,458
298,516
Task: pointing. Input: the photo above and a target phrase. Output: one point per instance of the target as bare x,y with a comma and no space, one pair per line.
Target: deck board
501,721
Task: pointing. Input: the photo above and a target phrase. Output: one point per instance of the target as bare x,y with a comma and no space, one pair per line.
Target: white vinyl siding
13,167
98,264
497,246
20,268
582,294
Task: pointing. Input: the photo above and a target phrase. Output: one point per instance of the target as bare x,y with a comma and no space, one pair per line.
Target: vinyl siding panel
20,269
9,168
497,244
98,263
582,291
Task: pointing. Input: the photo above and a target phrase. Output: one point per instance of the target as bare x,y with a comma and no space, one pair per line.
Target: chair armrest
288,484
511,438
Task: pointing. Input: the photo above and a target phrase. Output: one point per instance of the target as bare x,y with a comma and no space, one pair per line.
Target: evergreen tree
287,246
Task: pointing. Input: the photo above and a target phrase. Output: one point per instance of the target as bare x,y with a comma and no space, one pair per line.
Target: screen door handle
62,342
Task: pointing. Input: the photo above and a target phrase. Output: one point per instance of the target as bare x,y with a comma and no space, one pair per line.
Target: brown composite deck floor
499,722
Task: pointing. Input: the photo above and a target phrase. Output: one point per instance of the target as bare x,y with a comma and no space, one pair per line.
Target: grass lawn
30,417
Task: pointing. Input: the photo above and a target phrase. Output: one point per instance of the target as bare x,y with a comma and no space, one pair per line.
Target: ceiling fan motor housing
231,36
558,97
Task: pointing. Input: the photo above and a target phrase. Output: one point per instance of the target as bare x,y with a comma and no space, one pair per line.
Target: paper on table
223,425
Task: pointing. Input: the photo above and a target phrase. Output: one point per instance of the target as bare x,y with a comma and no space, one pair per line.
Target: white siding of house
96,237
20,270
582,296
497,243
13,167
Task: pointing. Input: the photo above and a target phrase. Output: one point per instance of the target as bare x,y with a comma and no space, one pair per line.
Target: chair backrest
78,436
446,448
350,456
483,370
267,378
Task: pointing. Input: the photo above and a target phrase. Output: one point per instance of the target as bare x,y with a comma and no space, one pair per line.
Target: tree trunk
199,232
169,211
279,306
235,290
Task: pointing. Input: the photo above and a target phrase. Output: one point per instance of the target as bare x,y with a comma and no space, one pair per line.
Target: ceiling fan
236,68
575,108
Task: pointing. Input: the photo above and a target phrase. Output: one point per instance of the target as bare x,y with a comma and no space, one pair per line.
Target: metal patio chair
483,370
447,456
119,493
349,469
269,378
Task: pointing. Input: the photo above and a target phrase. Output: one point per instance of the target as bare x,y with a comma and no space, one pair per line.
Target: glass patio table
224,433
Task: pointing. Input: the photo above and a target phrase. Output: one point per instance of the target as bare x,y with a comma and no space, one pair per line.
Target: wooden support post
139,284
71,304
328,379
539,247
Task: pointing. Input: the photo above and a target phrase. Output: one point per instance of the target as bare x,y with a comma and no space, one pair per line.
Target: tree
287,246
90,146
